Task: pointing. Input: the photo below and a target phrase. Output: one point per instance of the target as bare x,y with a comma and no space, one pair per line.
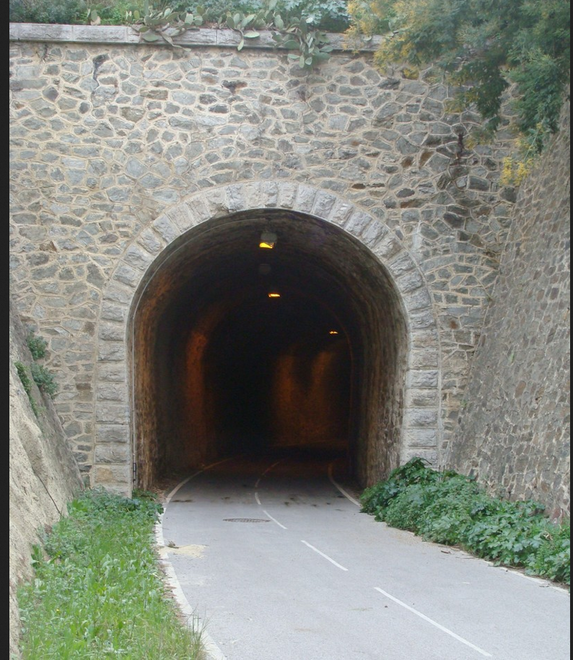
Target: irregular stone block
166,229
138,258
113,312
305,199
422,379
287,195
357,222
341,212
111,332
422,438
111,392
110,351
111,453
323,204
109,433
127,275
111,413
421,418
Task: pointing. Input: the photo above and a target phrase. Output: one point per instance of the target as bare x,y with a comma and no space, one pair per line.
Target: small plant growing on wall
37,345
37,373
26,384
44,379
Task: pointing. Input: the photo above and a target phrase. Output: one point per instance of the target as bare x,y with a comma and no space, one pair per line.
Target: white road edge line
193,622
339,487
273,519
434,623
325,556
257,499
267,470
212,651
207,467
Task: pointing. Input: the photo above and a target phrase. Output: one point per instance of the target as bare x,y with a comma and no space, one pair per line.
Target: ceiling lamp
268,240
273,292
333,332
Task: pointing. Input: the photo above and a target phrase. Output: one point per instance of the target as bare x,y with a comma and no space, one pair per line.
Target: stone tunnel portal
221,366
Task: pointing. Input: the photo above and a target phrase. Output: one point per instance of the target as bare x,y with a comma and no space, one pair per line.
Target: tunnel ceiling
312,260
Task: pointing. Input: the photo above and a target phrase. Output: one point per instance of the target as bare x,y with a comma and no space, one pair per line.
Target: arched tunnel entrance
238,348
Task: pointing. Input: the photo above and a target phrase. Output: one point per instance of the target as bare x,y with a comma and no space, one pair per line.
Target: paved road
281,565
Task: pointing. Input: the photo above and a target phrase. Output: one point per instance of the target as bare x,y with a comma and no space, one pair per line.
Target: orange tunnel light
268,240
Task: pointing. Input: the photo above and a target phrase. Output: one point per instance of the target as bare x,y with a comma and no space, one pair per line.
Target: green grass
97,590
449,508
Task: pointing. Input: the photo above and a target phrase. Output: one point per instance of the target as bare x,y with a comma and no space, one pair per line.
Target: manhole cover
246,520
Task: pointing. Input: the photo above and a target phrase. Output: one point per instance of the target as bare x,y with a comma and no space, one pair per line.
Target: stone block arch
120,449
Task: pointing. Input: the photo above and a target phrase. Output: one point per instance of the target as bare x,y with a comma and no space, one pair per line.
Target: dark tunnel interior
278,376
240,349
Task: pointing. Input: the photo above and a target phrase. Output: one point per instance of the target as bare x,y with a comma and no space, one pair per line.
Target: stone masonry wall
107,135
514,430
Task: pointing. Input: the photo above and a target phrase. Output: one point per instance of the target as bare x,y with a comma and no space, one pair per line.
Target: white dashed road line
325,556
434,623
267,470
273,519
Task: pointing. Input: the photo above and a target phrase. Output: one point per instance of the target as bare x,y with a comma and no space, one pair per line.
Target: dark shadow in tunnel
279,377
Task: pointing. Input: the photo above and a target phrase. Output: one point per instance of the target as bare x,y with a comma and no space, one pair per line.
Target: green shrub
406,509
449,508
553,557
329,15
324,14
24,378
375,498
44,379
115,12
482,47
37,345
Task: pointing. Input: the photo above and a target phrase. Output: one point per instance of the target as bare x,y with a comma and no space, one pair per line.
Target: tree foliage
483,47
46,11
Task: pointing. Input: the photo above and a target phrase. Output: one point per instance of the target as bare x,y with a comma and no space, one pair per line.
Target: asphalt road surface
276,560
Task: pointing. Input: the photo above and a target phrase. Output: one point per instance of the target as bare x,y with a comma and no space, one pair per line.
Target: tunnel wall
118,148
